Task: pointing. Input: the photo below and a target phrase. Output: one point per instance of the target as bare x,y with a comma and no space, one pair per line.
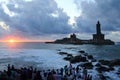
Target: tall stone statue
98,36
98,29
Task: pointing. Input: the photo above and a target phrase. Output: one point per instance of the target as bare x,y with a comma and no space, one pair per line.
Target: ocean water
44,56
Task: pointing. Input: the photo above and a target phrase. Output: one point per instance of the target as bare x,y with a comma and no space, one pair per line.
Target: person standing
85,73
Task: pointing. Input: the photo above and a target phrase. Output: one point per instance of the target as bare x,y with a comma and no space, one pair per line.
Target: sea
45,55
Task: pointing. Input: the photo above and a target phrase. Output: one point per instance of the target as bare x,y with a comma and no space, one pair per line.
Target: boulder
78,59
98,65
118,72
103,68
68,58
102,77
85,54
93,60
115,62
104,62
111,63
58,50
111,68
63,53
70,55
87,65
81,51
90,57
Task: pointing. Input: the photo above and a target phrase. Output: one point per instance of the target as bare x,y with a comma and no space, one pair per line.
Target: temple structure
71,40
98,38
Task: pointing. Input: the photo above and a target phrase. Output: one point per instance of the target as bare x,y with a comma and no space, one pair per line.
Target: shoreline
106,68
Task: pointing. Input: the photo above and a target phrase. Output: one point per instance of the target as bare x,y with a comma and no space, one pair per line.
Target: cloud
34,17
4,26
107,11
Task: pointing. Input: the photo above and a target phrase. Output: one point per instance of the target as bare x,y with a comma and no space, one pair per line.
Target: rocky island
98,39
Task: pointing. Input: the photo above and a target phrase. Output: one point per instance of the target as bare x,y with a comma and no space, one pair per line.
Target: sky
46,20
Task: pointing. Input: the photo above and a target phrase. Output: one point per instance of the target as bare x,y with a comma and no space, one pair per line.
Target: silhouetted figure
50,76
89,77
8,70
85,73
53,71
77,69
74,77
65,78
4,75
8,67
61,71
38,76
13,68
70,69
30,73
66,69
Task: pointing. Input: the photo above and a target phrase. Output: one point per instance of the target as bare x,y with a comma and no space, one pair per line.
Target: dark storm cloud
107,11
36,17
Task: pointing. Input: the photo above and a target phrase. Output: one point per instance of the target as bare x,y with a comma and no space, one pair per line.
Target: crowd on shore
68,72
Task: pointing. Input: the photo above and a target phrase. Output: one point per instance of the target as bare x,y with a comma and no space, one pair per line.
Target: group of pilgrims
68,72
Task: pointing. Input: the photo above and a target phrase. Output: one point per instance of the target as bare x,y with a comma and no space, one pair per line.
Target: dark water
100,51
45,55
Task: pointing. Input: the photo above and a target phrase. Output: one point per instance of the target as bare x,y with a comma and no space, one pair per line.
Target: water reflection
12,45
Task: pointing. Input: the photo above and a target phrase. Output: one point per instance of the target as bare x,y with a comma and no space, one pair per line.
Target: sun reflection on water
12,44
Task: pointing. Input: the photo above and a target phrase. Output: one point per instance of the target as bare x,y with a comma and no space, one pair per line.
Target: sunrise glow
11,40
16,39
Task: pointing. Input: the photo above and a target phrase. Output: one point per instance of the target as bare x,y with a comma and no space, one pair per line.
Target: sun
11,40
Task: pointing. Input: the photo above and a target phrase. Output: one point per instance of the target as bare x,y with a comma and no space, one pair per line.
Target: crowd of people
65,73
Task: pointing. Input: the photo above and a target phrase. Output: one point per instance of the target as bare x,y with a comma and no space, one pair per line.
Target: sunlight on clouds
7,11
55,14
28,0
115,33
4,26
16,6
90,0
69,7
71,21
4,1
5,8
